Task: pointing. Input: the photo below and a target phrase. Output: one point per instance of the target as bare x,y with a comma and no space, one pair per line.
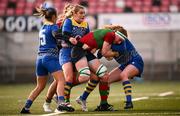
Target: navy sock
28,104
60,99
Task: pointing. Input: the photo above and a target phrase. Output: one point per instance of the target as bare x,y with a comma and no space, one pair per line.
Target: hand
85,47
109,58
73,40
116,54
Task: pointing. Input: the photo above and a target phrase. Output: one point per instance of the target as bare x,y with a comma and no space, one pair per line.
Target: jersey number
42,37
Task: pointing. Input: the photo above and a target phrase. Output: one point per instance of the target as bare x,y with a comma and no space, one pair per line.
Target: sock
28,104
60,99
67,90
104,92
48,100
89,88
127,90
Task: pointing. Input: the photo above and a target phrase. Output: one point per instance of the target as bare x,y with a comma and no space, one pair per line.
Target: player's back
47,42
124,46
100,33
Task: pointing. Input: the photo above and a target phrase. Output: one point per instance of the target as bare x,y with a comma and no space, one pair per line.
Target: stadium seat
19,11
120,3
29,5
137,9
28,11
20,5
10,12
155,9
175,2
109,10
129,3
58,5
146,9
118,10
92,3
164,9
147,2
165,2
37,4
3,5
2,12
12,0
138,3
92,10
100,9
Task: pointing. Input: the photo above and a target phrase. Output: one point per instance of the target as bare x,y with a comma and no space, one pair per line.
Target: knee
123,76
85,72
68,77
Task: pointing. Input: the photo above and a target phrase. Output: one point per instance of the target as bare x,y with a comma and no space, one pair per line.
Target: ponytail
47,13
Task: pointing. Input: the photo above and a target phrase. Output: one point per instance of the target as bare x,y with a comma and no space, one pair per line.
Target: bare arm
106,50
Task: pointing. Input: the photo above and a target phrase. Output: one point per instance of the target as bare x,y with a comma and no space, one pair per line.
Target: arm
67,31
106,50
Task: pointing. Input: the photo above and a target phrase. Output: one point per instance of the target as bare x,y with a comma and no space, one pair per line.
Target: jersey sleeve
54,28
88,29
67,26
109,37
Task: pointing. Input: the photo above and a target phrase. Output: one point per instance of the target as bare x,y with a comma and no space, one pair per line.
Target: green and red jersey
96,38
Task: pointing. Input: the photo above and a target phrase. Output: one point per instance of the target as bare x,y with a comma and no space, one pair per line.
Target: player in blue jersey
48,61
75,27
130,65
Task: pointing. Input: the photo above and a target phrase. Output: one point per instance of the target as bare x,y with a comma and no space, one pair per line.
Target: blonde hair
77,7
69,10
116,28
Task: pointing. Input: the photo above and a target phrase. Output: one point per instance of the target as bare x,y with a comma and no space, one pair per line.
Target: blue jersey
128,55
126,51
47,60
47,43
75,29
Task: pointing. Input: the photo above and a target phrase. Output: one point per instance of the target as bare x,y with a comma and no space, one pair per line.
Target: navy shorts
90,56
47,64
65,55
136,61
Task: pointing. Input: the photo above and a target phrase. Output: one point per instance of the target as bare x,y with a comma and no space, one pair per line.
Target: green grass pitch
13,96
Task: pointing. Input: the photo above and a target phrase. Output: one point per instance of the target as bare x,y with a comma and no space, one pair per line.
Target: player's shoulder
54,27
83,24
68,20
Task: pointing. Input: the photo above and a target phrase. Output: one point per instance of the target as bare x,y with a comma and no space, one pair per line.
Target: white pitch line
166,93
140,98
53,114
